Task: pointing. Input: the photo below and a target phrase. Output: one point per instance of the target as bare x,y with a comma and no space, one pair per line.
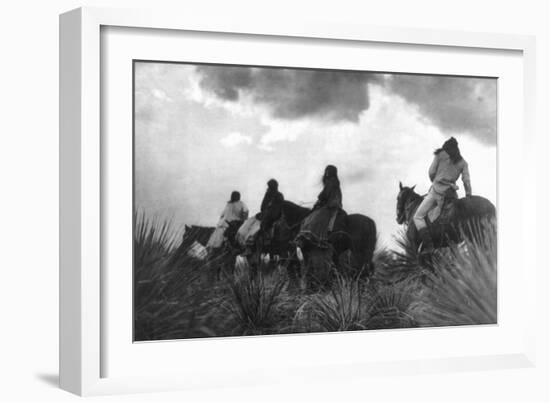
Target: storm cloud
293,93
454,104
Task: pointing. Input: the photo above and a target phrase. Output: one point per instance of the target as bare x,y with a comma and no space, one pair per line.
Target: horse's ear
187,228
413,187
400,186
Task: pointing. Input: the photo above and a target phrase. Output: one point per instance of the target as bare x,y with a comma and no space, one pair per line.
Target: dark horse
357,235
214,261
453,221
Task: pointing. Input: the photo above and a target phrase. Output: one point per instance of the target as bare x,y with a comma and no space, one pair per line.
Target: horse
193,250
357,236
196,233
454,222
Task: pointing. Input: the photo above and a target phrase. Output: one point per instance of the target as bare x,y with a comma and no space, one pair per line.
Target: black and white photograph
274,200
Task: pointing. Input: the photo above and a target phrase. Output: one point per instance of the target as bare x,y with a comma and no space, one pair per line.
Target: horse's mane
294,213
412,195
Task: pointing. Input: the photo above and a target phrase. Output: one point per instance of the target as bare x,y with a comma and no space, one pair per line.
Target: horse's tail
364,237
370,235
371,246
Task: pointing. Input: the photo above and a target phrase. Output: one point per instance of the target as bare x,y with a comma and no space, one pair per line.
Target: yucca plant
406,264
169,301
153,240
352,304
391,306
341,308
252,302
153,244
464,287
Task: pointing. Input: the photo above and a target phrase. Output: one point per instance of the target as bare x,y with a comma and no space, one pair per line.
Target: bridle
408,205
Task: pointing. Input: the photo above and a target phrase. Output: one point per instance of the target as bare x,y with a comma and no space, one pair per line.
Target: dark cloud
292,93
226,82
454,104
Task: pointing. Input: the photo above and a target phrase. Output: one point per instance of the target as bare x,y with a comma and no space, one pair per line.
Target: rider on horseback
235,209
331,195
447,166
272,203
234,214
317,226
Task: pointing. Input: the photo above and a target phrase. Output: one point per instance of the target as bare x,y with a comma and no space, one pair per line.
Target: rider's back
446,173
235,211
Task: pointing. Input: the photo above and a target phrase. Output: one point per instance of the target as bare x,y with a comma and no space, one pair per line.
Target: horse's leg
292,271
258,263
252,266
335,266
335,255
219,268
303,269
412,235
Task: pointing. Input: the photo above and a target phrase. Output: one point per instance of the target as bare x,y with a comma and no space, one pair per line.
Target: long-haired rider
447,166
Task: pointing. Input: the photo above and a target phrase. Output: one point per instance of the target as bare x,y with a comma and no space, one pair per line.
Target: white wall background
29,201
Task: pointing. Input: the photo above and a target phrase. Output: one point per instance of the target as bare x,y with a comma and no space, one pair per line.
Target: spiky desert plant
153,243
341,308
252,302
352,304
464,289
407,263
153,240
391,306
169,300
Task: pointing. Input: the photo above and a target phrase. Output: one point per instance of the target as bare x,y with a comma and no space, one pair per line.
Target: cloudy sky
202,131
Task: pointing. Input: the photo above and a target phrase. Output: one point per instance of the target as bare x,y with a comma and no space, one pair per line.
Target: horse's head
291,213
405,194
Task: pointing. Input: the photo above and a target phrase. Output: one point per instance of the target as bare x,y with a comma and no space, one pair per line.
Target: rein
410,206
290,227
293,226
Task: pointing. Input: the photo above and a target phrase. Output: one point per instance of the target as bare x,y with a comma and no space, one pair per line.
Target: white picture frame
82,177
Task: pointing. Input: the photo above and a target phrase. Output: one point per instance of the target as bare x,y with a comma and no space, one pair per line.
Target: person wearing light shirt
235,209
447,167
234,213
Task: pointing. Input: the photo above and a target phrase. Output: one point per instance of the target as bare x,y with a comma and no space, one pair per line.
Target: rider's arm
265,203
433,168
323,196
466,179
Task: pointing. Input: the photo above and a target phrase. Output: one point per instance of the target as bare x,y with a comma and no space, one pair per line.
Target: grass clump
464,290
177,295
353,304
253,301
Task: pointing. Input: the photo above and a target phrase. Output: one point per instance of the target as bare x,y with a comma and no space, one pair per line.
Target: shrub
169,300
464,290
354,305
252,302
176,295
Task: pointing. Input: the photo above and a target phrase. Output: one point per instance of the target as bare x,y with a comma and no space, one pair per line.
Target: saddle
339,222
447,212
321,226
231,231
